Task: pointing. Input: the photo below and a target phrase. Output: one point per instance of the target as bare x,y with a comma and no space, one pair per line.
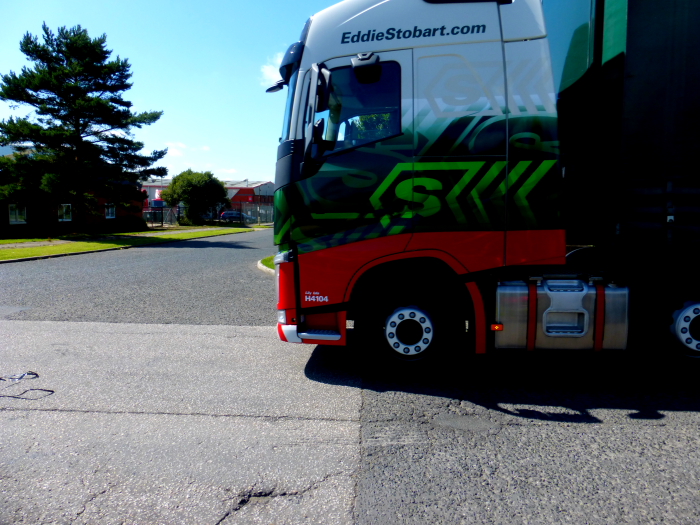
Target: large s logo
408,190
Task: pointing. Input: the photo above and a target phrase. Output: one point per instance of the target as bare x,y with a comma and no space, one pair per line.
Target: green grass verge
106,244
92,236
269,262
19,241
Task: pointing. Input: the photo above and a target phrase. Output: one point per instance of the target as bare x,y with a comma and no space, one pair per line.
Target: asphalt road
162,419
170,424
201,281
554,439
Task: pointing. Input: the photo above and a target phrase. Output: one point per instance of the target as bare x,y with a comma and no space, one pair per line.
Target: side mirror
277,86
314,145
323,87
314,149
317,141
319,127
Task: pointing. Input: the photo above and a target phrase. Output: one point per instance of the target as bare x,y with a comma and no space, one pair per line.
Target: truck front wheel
411,310
409,331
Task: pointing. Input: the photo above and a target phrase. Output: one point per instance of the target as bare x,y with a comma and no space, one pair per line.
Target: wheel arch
387,264
389,271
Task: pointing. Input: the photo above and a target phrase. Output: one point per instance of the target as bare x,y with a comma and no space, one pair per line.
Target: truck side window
361,113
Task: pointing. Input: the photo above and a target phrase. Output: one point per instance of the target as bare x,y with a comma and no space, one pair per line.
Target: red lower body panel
327,277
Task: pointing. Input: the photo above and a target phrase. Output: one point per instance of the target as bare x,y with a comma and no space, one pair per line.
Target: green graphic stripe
376,196
512,178
475,195
472,169
365,232
279,236
520,197
411,187
398,169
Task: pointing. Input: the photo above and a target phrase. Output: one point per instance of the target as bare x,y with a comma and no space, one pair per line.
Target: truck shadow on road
554,387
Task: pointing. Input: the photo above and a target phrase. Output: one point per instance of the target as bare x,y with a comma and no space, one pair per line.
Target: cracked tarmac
214,424
172,424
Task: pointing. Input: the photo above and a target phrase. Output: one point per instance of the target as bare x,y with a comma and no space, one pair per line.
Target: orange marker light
496,327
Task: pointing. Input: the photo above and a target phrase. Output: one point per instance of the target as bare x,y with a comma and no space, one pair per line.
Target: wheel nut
406,350
422,320
428,330
412,315
417,349
396,345
689,340
391,335
684,330
426,341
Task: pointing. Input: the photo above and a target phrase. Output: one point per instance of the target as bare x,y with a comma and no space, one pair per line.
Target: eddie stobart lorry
476,176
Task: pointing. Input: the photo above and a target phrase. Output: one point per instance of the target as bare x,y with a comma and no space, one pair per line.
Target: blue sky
205,64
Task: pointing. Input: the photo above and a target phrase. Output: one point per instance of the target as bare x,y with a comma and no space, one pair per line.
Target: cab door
534,228
460,175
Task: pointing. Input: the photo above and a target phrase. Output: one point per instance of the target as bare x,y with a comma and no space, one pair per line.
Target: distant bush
198,191
129,223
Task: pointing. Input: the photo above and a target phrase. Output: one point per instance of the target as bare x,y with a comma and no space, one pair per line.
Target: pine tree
78,143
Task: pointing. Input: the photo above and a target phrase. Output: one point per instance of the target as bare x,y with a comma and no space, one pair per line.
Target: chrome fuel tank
565,316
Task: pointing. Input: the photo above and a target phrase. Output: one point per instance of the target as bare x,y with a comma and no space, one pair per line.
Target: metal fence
251,213
260,213
160,216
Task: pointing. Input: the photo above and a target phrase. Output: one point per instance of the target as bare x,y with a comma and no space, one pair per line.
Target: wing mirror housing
323,86
317,141
277,86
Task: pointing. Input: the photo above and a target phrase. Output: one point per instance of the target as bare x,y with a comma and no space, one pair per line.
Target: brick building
259,192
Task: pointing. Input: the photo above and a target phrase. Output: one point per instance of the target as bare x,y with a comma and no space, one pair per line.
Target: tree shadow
549,386
201,243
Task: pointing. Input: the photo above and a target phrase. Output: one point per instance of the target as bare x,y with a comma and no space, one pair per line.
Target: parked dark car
236,216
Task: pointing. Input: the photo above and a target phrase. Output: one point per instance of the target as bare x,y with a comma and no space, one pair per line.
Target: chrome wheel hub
687,327
409,331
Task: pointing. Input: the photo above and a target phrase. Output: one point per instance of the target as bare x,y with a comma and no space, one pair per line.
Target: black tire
411,328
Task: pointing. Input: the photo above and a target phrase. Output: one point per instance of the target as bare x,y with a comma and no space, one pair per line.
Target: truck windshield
360,113
286,125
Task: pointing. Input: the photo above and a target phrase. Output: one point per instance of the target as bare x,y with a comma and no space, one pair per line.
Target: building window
110,211
18,214
64,213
